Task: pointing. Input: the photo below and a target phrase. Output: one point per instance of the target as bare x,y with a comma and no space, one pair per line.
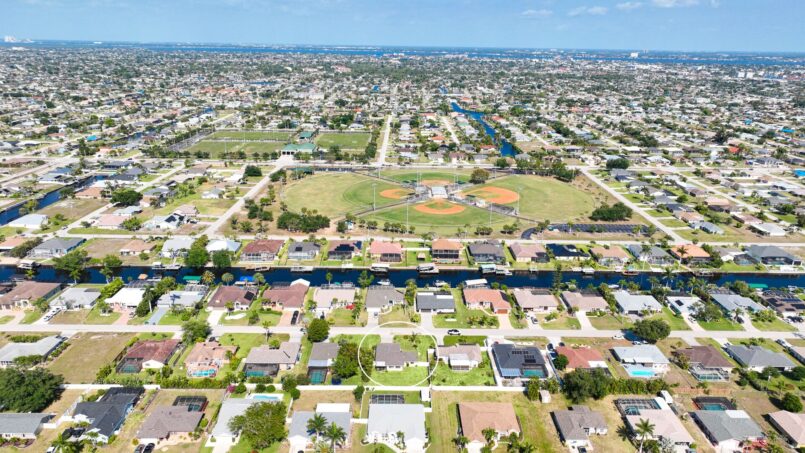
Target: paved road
667,230
384,147
212,230
449,126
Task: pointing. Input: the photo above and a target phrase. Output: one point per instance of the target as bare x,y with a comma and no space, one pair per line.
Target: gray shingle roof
726,425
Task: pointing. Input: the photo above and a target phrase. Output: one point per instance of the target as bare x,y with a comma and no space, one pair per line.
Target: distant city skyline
676,25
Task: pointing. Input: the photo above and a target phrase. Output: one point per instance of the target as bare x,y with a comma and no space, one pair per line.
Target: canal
14,212
506,148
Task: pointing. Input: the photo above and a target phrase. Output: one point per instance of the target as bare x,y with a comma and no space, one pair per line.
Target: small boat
156,265
27,264
487,268
703,272
500,270
347,265
301,268
384,282
262,268
380,268
172,267
587,270
439,283
427,268
629,272
533,269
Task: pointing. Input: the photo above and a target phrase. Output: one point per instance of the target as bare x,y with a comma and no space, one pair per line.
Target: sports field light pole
374,184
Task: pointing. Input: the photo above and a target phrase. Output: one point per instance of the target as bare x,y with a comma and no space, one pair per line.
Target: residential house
263,361
214,193
322,356
387,421
636,304
566,252
791,425
435,302
445,251
706,363
771,255
42,348
25,293
691,254
176,247
727,430
756,358
519,362
126,298
460,357
136,247
8,244
681,302
642,361
577,424
584,301
287,296
301,439
76,298
613,256
110,221
667,427
476,417
261,250
730,302
169,425
240,297
535,300
147,355
331,297
22,426
168,222
768,229
343,250
386,252
492,300
583,358
487,252
106,415
785,303
55,247
301,251
206,358
382,298
230,408
225,245
651,255
529,253
180,299
391,357
29,222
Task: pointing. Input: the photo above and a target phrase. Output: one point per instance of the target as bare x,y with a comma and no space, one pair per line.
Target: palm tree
401,439
489,435
329,277
259,279
316,424
644,429
207,278
267,326
461,442
336,435
227,278
63,444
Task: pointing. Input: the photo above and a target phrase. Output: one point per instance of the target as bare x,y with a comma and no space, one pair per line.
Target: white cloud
674,3
628,6
588,10
533,13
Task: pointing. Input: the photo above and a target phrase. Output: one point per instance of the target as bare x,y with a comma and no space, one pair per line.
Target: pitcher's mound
438,207
394,194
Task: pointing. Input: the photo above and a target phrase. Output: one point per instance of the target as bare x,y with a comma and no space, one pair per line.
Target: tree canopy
126,197
318,330
651,330
262,424
32,390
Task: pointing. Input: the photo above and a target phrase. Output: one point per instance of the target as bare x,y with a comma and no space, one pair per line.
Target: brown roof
384,247
90,192
292,296
234,294
209,351
691,251
612,252
477,416
579,357
264,245
483,295
526,250
708,356
445,244
157,350
28,291
12,242
584,301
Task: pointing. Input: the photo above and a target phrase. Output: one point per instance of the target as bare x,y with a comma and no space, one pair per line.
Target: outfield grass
440,224
545,198
351,140
335,194
217,149
461,176
252,135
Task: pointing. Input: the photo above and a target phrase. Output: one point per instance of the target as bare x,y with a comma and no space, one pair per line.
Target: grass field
438,223
216,149
87,353
356,140
461,176
336,194
252,135
545,198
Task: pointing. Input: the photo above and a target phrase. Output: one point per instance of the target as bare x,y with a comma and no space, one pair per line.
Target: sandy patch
394,194
440,208
435,182
496,195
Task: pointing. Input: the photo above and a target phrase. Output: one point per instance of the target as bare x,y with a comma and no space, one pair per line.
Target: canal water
506,148
399,277
14,212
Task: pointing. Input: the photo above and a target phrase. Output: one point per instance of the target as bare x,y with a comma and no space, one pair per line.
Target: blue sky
710,25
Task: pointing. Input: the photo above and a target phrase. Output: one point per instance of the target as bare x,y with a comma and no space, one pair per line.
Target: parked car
453,332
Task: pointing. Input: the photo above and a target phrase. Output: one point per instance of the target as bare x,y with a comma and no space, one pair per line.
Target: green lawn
411,375
341,317
96,317
461,176
252,135
335,194
676,322
273,318
418,343
86,354
441,223
452,340
563,322
721,324
541,197
218,149
31,316
610,322
778,325
348,140
463,318
396,314
481,375
5,319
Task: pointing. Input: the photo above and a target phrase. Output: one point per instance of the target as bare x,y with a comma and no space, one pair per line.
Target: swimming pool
640,372
265,397
317,376
713,407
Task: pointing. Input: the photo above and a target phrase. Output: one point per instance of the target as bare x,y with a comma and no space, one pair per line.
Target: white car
617,337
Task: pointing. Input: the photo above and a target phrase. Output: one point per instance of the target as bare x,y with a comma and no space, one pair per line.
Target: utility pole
374,184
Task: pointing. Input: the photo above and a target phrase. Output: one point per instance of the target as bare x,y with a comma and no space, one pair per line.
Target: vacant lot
87,353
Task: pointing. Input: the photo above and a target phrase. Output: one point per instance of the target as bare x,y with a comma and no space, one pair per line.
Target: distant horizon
660,25
29,40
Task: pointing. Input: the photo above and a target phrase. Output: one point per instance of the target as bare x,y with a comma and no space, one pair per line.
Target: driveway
157,315
504,321
583,320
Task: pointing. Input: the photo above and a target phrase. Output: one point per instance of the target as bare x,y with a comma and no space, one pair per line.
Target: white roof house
386,420
30,221
174,246
230,408
75,298
223,244
43,347
127,297
636,303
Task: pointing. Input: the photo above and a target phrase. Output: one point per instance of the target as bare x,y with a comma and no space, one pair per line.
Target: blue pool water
265,397
641,373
